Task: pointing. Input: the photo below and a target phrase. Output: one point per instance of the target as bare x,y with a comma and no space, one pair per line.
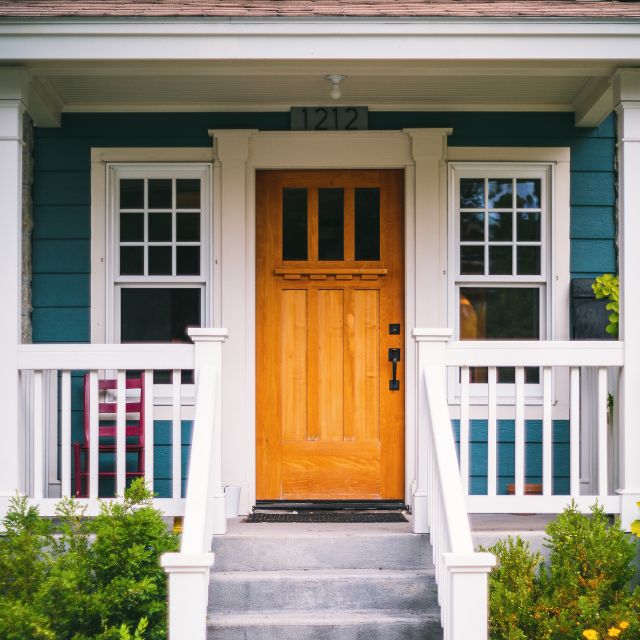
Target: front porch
523,423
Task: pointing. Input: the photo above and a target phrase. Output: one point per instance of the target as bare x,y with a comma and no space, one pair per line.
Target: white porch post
13,91
431,346
235,290
626,85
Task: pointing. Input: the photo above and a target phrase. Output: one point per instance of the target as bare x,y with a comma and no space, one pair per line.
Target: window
502,231
159,239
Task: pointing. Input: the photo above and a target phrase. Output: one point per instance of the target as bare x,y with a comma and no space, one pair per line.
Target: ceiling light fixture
335,80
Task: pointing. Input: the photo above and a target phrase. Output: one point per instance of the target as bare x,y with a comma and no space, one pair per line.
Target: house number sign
329,118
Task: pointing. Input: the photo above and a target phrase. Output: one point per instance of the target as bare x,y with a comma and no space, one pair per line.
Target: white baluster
602,432
574,431
148,428
492,433
65,432
38,436
121,434
519,432
464,428
94,456
547,433
176,437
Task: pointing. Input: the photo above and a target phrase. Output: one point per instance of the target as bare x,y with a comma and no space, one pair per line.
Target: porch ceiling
401,85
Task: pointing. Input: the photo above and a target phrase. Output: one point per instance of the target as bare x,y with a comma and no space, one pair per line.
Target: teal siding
61,237
506,454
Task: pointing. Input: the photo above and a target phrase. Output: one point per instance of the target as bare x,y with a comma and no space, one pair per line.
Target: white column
626,84
426,259
13,91
188,594
232,193
431,347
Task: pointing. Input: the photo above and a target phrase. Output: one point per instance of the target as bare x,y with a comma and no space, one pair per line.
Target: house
358,223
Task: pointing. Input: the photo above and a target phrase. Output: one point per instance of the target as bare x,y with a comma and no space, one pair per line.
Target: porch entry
330,335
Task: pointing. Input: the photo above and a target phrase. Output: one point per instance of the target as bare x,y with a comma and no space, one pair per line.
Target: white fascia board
342,39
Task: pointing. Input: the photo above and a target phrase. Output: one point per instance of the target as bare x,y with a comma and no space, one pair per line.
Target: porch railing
51,382
541,420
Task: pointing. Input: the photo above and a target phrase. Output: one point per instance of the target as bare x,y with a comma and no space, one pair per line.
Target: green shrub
584,587
85,579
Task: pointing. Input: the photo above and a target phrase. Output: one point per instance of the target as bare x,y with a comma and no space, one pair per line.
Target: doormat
345,517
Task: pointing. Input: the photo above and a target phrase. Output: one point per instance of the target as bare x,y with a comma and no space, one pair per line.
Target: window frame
552,167
115,282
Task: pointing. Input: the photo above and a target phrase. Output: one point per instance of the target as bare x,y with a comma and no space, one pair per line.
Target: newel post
208,346
431,351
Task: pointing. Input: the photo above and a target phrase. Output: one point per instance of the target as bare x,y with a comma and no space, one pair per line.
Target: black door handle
394,358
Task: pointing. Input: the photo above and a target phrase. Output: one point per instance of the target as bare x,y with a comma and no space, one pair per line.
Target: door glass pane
131,194
160,227
294,224
160,194
330,224
132,227
188,194
367,224
158,314
160,261
131,261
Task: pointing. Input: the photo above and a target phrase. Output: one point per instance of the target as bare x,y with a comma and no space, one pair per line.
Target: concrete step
356,549
327,625
323,590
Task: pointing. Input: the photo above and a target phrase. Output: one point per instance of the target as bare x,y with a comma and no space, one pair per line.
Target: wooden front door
329,306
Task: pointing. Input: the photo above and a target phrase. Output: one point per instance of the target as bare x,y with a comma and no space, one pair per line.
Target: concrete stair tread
320,618
319,574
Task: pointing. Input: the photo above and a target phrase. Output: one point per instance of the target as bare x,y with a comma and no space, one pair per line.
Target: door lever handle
394,358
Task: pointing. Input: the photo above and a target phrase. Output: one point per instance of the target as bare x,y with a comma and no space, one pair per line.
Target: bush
582,592
85,579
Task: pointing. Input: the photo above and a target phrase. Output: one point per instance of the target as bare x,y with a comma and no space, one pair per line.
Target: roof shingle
321,8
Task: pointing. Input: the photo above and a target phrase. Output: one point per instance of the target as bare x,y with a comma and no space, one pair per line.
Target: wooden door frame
422,154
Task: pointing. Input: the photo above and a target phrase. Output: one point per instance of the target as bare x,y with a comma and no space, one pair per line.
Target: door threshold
330,505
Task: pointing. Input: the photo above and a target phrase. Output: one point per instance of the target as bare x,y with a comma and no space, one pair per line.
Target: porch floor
480,524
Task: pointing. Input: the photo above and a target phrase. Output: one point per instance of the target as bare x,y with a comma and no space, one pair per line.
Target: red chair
107,408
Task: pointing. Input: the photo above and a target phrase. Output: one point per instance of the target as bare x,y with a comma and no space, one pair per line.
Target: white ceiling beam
45,105
626,85
594,103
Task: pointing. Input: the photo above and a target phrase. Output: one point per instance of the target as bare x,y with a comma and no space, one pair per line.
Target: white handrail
105,356
532,353
439,506
205,507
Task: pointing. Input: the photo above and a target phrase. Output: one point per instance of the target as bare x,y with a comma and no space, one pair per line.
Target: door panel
329,281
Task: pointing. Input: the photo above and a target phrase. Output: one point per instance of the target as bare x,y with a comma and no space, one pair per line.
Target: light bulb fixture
335,80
